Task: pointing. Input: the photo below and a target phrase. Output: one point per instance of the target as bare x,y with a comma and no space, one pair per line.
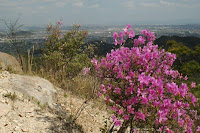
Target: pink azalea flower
103,89
168,130
198,129
114,118
140,115
162,116
121,41
115,35
193,99
59,22
118,123
193,85
98,94
126,117
189,131
116,42
130,109
186,78
135,130
128,26
144,100
121,34
117,90
107,99
131,34
145,32
120,111
94,61
183,89
86,70
125,30
136,42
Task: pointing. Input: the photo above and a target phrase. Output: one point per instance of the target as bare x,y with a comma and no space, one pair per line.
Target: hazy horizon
101,12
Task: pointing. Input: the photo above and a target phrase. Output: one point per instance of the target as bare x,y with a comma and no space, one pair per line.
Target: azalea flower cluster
140,85
55,31
119,38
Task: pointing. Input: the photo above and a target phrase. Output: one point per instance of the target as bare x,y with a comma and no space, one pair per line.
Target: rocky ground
20,113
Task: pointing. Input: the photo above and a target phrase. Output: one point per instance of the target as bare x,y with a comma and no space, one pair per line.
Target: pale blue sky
36,12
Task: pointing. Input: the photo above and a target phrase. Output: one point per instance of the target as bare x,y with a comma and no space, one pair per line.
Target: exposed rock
35,87
14,115
20,113
8,62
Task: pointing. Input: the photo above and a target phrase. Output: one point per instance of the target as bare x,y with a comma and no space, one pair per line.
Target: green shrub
190,68
62,50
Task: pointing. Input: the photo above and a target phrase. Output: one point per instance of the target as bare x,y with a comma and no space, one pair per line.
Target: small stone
24,130
68,109
16,128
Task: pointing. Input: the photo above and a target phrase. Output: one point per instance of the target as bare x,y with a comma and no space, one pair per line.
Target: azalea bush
142,89
63,52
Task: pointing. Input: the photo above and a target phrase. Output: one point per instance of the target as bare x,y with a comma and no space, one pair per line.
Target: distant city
100,31
37,35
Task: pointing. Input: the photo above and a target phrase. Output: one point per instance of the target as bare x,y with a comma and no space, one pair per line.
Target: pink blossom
140,115
115,35
198,129
144,100
193,99
121,34
126,117
103,89
193,85
98,94
125,30
94,61
128,26
114,118
120,111
107,99
135,130
118,123
121,41
183,89
168,130
131,34
59,22
162,116
86,70
145,32
114,108
130,109
186,78
116,42
117,90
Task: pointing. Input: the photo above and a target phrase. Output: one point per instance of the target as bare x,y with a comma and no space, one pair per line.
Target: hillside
22,113
189,41
102,47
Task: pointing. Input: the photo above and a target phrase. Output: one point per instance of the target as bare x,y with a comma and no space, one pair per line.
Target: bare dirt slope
19,113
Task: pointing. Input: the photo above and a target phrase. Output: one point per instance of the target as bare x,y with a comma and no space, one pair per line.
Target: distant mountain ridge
189,41
105,45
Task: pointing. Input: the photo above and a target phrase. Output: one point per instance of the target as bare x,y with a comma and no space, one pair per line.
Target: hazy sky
36,12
